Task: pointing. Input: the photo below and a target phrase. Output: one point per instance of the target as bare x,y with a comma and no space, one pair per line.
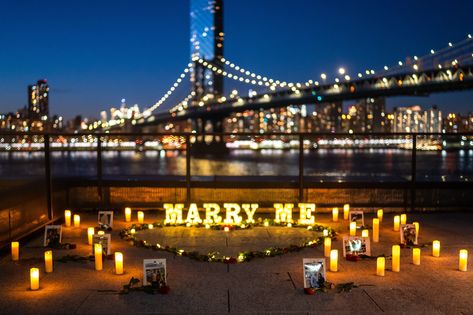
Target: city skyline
93,55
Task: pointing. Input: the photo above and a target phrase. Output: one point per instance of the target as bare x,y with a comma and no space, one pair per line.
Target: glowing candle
396,223
436,248
98,257
226,229
416,224
15,251
376,230
127,214
365,233
380,215
416,256
118,263
132,231
334,260
327,246
403,218
34,279
335,214
380,266
463,260
76,220
141,217
48,261
325,232
101,232
346,210
266,223
352,228
90,234
67,217
396,258
150,226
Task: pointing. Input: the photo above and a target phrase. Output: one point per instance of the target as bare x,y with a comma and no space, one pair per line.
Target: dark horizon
95,54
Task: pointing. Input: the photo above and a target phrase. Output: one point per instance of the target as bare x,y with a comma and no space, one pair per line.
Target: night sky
94,53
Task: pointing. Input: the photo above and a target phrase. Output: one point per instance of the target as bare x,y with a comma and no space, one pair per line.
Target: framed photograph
105,240
356,245
154,272
52,235
314,272
358,217
105,218
408,234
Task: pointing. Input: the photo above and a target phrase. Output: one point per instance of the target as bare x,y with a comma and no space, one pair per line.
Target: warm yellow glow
15,251
67,217
193,216
173,213
463,260
325,232
226,229
380,266
98,257
346,210
266,223
416,224
306,211
101,232
211,213
34,279
132,231
376,230
334,260
416,256
396,258
48,261
250,210
127,214
118,263
76,220
403,218
232,213
141,217
380,214
436,248
365,233
352,228
150,226
396,223
335,214
90,234
283,212
327,246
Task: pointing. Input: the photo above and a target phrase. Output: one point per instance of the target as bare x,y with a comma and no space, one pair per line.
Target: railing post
188,169
47,169
301,168
413,171
99,169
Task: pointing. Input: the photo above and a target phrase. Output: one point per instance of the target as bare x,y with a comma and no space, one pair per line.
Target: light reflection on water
335,164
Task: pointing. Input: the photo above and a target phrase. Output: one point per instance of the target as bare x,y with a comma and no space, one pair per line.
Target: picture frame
52,235
408,234
105,240
105,218
154,272
356,245
314,272
358,217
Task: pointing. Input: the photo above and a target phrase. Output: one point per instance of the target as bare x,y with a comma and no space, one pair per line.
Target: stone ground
270,285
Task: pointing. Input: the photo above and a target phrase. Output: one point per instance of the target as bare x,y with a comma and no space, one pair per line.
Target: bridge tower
206,42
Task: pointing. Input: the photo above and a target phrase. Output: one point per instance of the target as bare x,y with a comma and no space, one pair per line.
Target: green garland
215,256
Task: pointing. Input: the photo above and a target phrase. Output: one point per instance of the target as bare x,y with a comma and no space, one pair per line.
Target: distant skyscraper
414,119
328,117
206,43
38,100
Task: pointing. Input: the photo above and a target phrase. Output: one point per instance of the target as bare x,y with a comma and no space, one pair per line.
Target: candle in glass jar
380,215
127,214
325,233
141,217
463,260
365,233
396,223
48,261
380,266
396,258
335,214
15,251
416,256
352,228
101,232
67,217
98,257
34,279
417,226
403,218
376,230
436,248
327,246
334,260
90,234
76,220
118,263
346,210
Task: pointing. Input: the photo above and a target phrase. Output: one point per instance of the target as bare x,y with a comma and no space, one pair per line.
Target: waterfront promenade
269,285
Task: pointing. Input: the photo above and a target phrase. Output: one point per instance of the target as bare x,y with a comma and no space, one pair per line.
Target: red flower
351,257
309,291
